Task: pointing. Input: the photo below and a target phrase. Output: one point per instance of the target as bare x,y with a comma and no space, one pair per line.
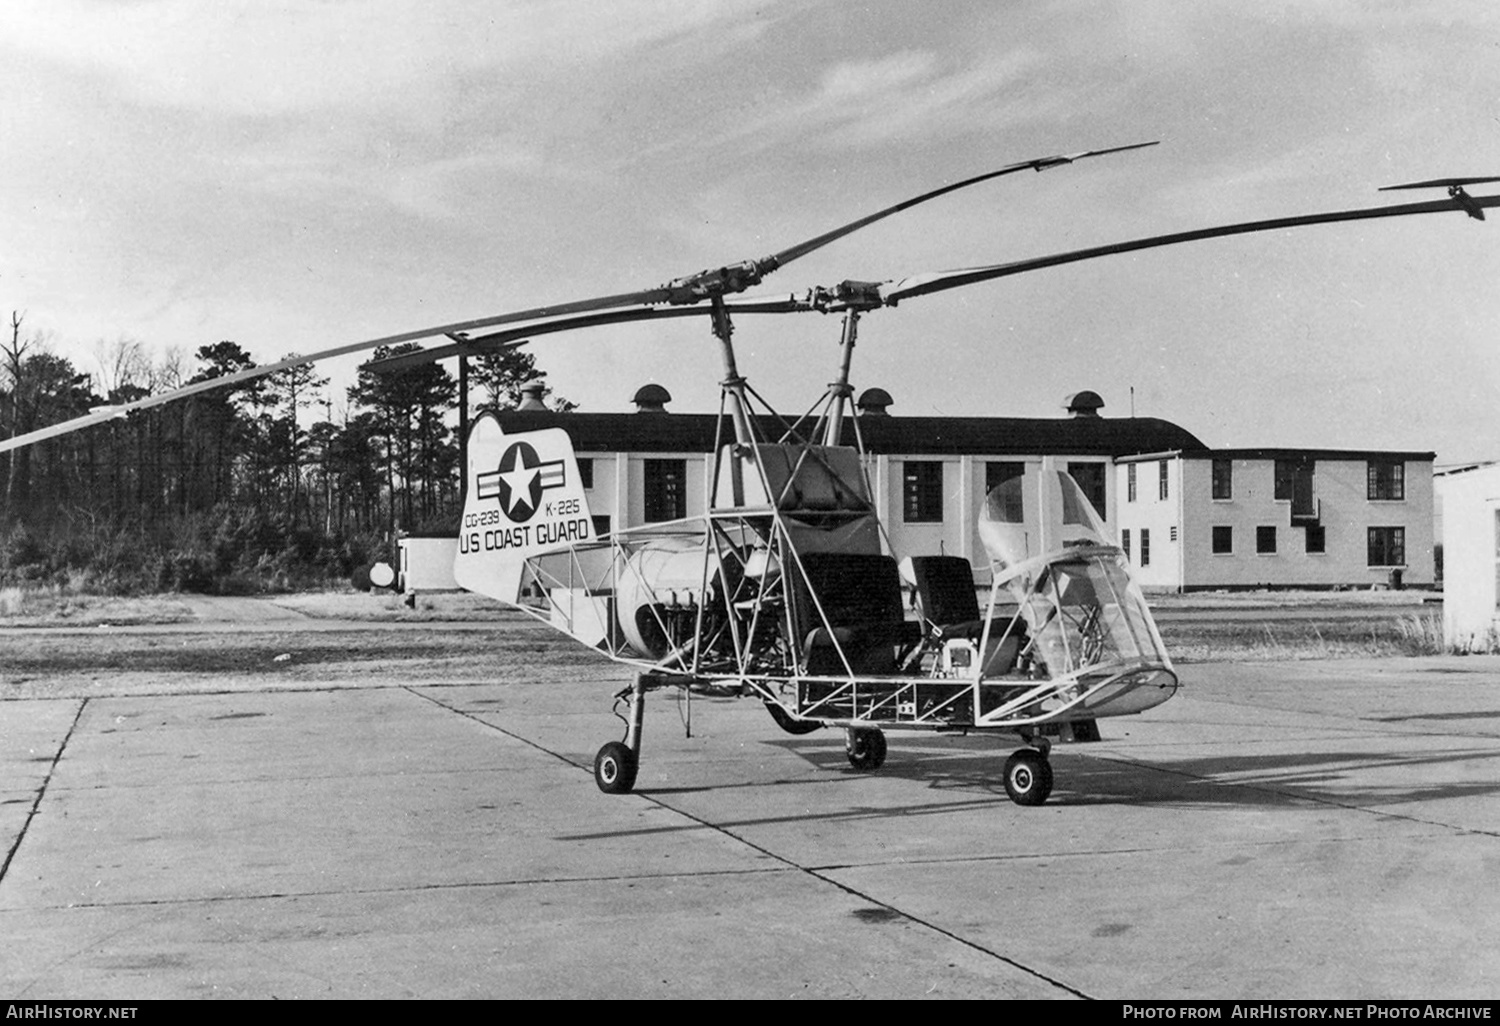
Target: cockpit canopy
1072,587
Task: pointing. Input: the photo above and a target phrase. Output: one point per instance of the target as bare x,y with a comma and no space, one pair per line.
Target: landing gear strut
616,764
789,723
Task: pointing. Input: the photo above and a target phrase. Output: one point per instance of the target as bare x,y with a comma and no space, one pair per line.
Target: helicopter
785,590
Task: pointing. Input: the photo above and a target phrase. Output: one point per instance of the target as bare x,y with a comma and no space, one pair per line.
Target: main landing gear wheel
789,723
1028,777
614,768
865,747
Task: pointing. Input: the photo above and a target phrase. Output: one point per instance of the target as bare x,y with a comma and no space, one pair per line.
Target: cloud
253,58
856,81
906,95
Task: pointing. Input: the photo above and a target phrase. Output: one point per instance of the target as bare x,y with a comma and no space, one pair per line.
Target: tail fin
524,497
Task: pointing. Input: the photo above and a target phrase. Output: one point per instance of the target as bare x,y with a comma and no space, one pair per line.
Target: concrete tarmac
1277,830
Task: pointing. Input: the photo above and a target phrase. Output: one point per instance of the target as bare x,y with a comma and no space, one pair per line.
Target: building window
1294,484
1090,478
1161,480
666,490
997,474
1286,478
1130,483
1387,546
1265,540
1223,541
922,492
1145,547
1317,541
586,473
601,526
1172,534
1223,479
1293,476
1125,541
1387,479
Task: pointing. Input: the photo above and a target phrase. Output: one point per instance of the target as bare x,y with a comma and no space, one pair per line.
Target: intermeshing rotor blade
786,256
1438,183
893,292
512,337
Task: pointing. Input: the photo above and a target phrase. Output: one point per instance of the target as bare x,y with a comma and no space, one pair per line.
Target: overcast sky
299,174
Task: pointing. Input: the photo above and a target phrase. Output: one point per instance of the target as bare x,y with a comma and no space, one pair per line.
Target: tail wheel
789,723
1028,777
614,768
865,747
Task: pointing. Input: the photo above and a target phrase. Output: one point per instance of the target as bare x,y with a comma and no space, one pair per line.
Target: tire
614,769
865,747
789,723
1028,777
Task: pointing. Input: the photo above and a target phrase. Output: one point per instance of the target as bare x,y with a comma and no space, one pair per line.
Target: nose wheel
865,747
1028,777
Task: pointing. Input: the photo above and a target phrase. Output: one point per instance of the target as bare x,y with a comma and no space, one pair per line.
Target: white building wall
1346,514
1160,517
1471,559
1252,504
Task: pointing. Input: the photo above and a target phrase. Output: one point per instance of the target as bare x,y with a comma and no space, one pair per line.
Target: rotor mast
840,389
733,384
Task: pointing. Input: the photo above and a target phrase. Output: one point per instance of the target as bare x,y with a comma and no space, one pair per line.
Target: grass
463,607
1268,639
62,606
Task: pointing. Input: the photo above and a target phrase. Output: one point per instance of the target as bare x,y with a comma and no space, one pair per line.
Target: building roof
1356,455
914,436
1449,470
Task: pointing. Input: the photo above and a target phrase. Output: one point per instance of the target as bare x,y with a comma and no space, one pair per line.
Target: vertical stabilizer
524,498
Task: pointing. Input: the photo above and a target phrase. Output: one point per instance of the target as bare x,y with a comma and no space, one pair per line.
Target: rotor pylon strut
841,390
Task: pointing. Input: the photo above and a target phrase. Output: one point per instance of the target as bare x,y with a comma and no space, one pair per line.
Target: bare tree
14,354
124,369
